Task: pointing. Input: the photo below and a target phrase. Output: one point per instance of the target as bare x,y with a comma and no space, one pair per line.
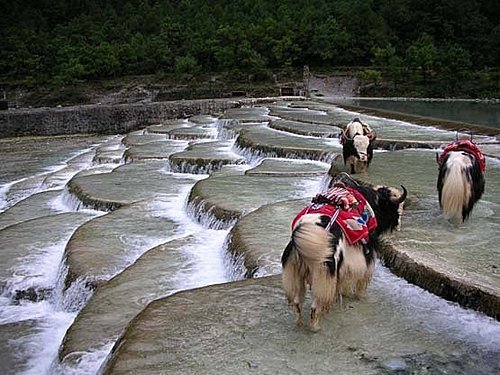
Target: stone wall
103,119
334,86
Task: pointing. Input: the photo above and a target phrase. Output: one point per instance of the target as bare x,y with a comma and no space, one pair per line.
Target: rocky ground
147,89
140,89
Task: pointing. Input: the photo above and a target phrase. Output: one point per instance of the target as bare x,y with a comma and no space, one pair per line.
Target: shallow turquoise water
473,112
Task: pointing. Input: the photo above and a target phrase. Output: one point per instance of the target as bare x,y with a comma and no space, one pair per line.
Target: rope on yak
340,176
348,208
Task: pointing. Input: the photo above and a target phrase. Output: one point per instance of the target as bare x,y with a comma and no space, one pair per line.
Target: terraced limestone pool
129,253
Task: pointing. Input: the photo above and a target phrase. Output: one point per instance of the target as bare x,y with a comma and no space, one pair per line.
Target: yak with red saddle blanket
460,182
333,244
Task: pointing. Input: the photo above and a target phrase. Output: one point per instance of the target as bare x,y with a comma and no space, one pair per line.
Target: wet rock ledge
436,278
246,327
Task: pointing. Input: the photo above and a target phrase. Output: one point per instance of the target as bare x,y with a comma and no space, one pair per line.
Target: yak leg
294,285
361,286
298,301
324,290
363,282
315,315
351,161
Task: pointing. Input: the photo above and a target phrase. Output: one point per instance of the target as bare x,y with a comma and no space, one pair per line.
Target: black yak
333,245
460,182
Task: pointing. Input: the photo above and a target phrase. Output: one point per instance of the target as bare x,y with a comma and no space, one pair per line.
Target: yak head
357,153
361,144
387,203
390,203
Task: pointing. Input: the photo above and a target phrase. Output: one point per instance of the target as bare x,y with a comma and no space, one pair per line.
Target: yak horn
403,197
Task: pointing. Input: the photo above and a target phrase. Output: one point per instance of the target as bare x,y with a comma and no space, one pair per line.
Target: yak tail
456,187
312,241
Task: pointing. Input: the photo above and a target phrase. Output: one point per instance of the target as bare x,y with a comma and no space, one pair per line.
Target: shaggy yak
333,243
357,150
460,182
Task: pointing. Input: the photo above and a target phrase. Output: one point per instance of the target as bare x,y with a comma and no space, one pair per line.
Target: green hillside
433,47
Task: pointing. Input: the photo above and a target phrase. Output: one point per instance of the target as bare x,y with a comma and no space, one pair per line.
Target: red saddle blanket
348,208
468,146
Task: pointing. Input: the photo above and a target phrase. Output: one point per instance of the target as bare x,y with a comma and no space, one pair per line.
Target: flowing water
39,216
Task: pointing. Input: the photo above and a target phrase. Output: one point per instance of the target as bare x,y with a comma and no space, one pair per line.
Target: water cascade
132,252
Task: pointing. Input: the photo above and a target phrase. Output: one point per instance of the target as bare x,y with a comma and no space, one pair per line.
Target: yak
357,149
333,244
460,181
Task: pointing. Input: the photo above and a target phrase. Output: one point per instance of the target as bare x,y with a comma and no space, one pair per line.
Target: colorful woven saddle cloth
346,207
468,146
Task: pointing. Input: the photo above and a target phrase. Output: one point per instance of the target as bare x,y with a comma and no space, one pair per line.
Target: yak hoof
314,327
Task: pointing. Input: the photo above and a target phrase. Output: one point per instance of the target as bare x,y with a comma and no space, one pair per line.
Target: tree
455,66
186,65
369,77
393,64
330,41
101,61
423,56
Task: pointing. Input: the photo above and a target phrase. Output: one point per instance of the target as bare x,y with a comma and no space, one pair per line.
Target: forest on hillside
452,44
